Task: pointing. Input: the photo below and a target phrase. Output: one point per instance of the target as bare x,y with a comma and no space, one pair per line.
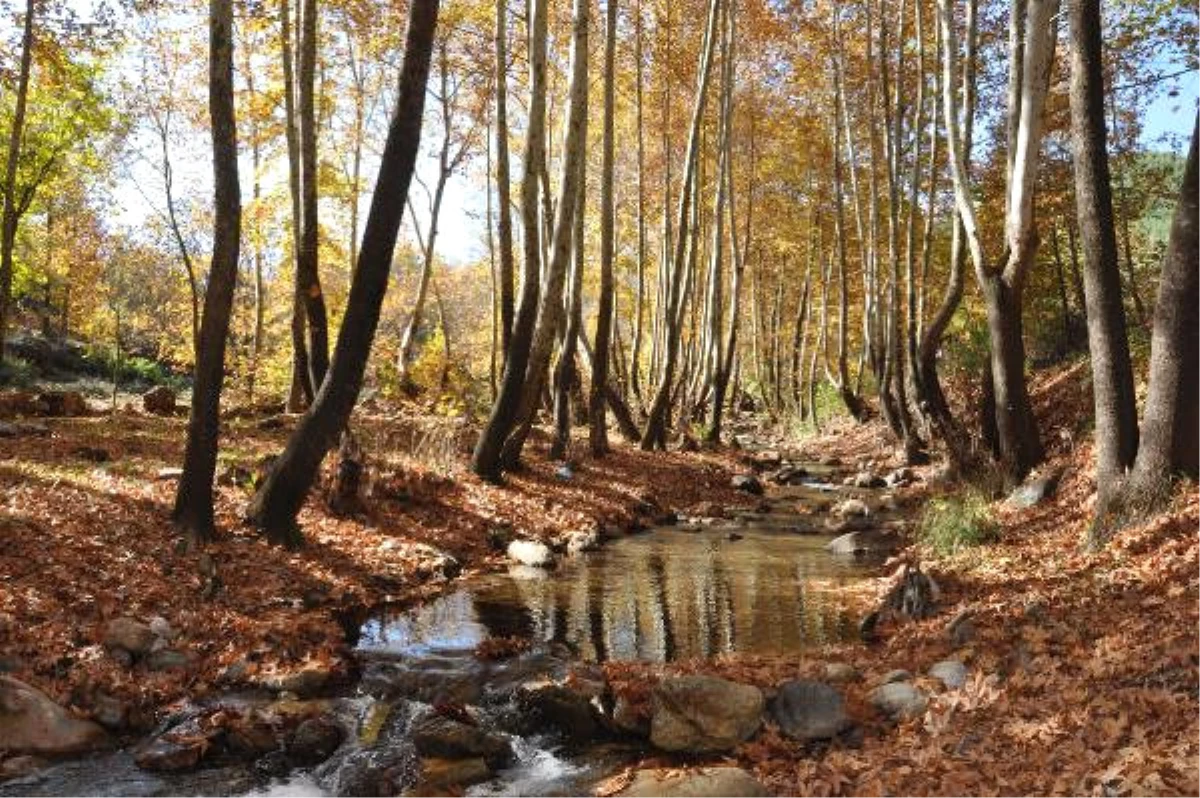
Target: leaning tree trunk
277,502
1112,373
193,513
1169,422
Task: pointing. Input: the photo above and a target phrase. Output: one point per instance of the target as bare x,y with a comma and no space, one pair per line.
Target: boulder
163,755
865,541
314,741
841,672
439,736
30,723
546,705
628,719
531,553
747,483
159,400
950,672
898,700
109,711
1035,490
694,783
129,634
699,714
809,710
304,682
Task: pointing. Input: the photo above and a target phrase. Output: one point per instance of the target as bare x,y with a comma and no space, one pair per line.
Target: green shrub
958,522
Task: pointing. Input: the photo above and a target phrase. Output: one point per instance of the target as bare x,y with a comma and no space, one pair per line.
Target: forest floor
1083,666
1083,669
84,542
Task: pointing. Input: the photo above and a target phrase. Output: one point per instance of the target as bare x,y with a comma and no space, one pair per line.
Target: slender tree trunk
277,502
486,459
307,266
1112,372
566,375
504,199
11,215
597,418
635,366
193,513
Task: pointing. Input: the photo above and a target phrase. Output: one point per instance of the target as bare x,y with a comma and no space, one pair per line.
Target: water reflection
663,596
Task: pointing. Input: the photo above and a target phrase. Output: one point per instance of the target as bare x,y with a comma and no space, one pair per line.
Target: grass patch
959,522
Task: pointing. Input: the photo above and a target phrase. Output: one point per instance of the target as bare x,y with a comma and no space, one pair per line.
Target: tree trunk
277,502
566,376
11,215
635,365
193,513
1112,372
307,266
504,199
597,418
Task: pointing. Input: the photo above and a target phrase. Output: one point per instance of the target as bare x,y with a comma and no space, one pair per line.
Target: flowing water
756,584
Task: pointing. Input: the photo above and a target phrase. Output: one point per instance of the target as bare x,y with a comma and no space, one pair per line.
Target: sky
462,236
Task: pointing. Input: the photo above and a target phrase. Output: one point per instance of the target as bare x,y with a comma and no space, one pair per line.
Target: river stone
439,774
866,479
841,672
950,672
129,634
314,741
304,682
545,705
898,700
531,553
378,770
865,541
895,675
30,723
809,710
162,755
109,711
695,783
703,713
439,736
747,483
851,508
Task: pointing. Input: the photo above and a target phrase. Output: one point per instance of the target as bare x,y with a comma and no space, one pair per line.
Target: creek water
761,583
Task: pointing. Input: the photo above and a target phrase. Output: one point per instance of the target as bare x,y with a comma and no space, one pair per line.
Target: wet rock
809,710
159,401
304,682
430,681
899,477
109,711
164,755
961,628
1035,490
377,771
703,713
628,719
865,479
30,723
898,700
950,672
578,541
747,483
252,734
20,766
445,738
865,541
694,783
531,553
841,672
314,741
544,705
167,659
440,774
129,634
851,508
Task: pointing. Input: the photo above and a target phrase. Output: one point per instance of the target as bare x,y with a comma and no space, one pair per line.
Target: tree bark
277,502
193,512
1112,373
503,191
307,264
597,418
11,215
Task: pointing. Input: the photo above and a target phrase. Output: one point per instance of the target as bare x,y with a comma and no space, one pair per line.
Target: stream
759,583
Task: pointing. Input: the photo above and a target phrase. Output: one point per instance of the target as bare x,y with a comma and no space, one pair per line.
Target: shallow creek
757,583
